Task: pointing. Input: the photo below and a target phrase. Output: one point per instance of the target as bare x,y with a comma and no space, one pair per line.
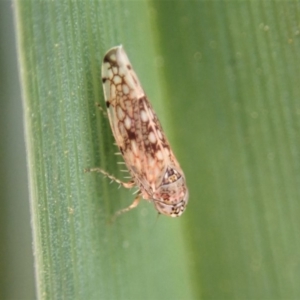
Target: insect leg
127,185
134,204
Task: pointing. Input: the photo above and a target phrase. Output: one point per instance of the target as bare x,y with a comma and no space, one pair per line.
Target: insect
140,139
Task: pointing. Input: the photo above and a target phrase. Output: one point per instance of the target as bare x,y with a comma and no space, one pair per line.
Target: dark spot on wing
107,104
106,59
131,135
154,147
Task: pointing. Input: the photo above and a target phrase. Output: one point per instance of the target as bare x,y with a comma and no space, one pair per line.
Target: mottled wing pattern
139,134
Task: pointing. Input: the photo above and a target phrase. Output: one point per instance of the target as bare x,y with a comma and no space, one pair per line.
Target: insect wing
135,126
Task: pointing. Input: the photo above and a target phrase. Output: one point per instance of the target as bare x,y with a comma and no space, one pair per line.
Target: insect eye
170,176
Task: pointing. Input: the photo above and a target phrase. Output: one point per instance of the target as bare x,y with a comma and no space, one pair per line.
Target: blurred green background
16,258
224,78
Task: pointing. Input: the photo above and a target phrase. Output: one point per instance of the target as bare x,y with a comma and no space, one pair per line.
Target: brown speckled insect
141,140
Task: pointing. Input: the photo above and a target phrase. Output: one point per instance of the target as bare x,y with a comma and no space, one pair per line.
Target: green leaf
223,77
